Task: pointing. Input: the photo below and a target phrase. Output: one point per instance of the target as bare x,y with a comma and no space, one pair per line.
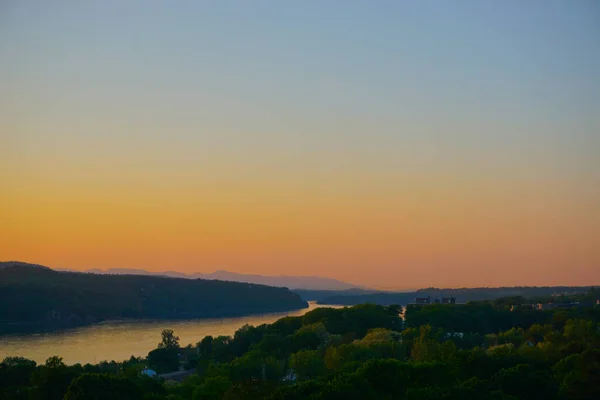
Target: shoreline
41,327
120,339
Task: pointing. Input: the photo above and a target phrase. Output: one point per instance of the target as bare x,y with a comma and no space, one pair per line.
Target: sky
391,144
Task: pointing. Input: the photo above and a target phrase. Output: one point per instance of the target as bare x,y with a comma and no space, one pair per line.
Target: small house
149,372
551,306
290,377
525,307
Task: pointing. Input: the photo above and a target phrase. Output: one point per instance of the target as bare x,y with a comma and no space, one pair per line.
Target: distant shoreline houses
534,306
550,306
439,300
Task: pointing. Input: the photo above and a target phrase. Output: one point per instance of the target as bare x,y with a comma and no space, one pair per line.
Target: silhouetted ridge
461,295
43,298
20,264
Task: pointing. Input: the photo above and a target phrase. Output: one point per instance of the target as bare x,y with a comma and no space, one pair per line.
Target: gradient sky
392,144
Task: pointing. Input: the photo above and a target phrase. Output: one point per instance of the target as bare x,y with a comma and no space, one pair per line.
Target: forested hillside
32,297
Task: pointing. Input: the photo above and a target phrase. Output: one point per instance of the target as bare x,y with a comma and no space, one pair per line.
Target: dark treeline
479,351
33,297
461,295
317,295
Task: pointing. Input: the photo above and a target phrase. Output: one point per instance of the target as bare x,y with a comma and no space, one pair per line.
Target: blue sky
278,65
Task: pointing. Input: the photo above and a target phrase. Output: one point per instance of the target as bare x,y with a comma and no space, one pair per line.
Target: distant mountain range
291,282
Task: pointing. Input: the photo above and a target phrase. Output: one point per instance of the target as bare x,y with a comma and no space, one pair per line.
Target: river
118,340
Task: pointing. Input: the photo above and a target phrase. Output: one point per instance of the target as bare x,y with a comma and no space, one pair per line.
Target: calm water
119,340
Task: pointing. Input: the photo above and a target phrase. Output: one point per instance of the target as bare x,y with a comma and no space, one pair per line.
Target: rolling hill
35,297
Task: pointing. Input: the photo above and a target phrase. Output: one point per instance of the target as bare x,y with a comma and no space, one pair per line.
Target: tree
377,335
212,388
51,380
526,383
15,373
559,319
580,330
309,337
536,332
387,377
221,348
245,337
164,360
276,345
169,340
54,362
247,368
513,335
426,349
394,309
102,386
307,364
579,375
205,347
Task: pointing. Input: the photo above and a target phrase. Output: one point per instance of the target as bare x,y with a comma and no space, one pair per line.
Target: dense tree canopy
102,386
363,352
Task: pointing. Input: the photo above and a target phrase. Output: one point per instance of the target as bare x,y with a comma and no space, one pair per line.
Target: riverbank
118,340
45,326
39,299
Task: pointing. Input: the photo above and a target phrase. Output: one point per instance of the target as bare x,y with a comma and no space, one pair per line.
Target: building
459,335
525,307
548,306
290,377
423,300
552,306
448,300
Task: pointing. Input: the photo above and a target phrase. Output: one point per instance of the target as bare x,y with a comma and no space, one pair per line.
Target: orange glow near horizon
424,146
421,236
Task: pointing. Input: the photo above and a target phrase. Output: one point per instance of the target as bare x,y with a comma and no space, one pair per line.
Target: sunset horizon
284,200
397,146
517,282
